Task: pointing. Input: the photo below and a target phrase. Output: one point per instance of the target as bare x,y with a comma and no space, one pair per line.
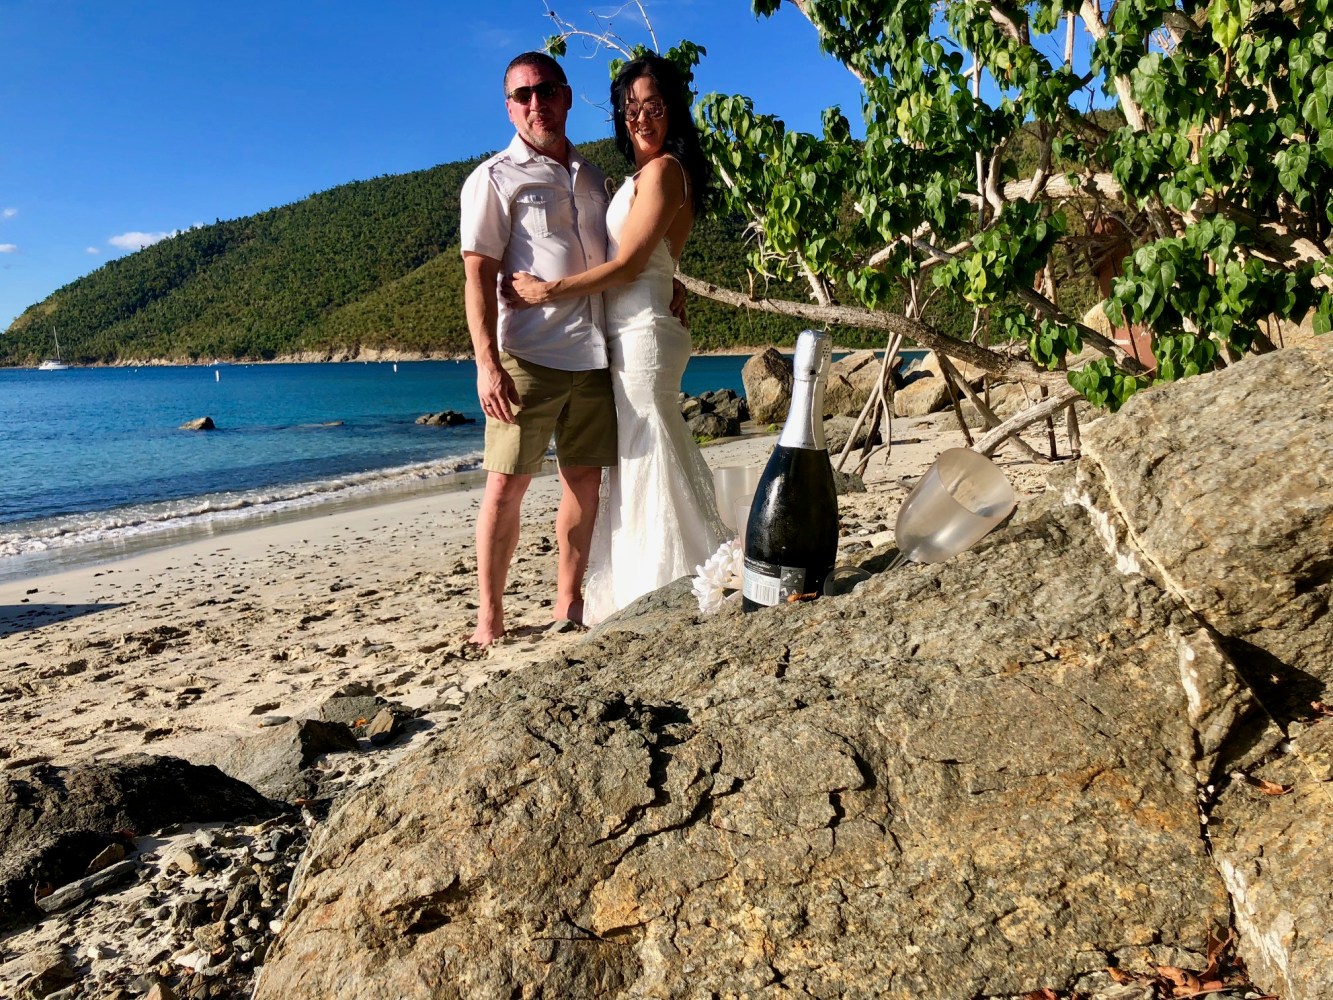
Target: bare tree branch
992,362
1091,14
804,7
1052,312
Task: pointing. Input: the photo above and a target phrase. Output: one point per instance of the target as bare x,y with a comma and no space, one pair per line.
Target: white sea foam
218,511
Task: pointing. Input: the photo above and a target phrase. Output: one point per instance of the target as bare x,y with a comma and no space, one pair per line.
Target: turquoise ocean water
95,465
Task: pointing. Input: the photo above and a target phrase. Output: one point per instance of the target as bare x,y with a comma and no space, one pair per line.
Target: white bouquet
719,579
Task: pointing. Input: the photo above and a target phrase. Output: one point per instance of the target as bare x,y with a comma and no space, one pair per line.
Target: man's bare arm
495,388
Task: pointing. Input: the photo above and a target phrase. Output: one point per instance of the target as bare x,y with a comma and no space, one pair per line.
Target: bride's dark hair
682,139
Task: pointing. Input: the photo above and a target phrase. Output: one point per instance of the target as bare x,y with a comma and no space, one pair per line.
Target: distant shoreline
387,357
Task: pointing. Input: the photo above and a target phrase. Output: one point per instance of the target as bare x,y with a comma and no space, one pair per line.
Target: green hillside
368,265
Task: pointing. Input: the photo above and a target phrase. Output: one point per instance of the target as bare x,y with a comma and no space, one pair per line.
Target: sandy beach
187,650
174,649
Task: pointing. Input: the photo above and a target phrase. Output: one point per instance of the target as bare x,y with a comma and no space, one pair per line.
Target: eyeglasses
544,91
653,109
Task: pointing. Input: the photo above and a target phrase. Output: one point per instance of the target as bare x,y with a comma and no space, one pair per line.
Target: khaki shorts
579,408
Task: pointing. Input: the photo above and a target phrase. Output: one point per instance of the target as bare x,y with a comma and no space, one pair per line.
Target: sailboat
56,364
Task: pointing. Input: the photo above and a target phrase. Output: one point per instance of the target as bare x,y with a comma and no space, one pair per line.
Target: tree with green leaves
1009,152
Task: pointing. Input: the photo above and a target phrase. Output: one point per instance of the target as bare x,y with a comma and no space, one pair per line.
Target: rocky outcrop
710,426
714,414
445,418
768,380
55,821
923,391
997,775
838,429
1234,516
726,403
1005,400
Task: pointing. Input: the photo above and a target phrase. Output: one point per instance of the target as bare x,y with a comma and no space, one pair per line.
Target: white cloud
91,250
8,213
9,248
137,240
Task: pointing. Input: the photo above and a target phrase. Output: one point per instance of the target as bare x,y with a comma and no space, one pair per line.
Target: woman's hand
522,290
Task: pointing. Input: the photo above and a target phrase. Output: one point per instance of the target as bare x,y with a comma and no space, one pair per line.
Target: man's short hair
536,59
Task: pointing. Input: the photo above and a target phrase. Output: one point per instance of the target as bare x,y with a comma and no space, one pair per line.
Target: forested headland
369,266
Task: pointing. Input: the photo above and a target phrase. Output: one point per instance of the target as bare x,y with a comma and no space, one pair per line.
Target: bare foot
484,635
573,613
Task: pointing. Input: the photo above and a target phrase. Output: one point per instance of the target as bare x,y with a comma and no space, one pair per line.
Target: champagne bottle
791,538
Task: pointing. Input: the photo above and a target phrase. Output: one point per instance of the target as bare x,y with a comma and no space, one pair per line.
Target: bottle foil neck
805,420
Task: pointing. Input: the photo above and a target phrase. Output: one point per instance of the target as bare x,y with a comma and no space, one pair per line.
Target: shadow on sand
15,618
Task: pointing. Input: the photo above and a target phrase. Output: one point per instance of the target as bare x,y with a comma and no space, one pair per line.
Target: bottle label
770,584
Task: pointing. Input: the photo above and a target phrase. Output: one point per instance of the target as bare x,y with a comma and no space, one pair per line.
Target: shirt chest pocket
542,213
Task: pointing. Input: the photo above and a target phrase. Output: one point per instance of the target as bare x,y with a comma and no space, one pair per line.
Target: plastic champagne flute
959,500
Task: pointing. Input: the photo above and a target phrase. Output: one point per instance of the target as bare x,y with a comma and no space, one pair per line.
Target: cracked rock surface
993,776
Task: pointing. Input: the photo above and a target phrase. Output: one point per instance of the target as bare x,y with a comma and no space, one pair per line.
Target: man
537,206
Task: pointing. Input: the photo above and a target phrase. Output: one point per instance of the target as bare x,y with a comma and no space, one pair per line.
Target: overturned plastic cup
956,504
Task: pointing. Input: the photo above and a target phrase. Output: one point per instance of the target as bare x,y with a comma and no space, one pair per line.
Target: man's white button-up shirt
528,212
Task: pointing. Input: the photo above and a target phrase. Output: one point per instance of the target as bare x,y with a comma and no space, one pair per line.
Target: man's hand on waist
678,302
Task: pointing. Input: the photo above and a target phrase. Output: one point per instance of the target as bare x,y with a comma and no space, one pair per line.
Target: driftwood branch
987,414
1058,400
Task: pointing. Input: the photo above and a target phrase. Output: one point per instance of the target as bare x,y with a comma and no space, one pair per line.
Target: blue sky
121,122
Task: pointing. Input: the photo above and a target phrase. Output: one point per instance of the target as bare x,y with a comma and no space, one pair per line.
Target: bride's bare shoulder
664,172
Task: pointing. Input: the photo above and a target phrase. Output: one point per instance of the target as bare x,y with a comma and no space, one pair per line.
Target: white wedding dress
657,519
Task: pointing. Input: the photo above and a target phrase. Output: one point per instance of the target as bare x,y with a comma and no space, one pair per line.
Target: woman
658,516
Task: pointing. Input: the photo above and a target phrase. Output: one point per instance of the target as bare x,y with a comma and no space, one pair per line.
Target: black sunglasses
545,91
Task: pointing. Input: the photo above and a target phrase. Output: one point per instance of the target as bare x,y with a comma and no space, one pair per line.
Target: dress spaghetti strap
684,177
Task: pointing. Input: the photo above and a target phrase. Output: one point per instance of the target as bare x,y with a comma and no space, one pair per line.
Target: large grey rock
733,409
55,820
445,418
768,380
41,973
838,429
979,779
1274,855
851,380
923,390
706,807
1200,499
1005,400
1235,517
276,759
88,886
353,705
